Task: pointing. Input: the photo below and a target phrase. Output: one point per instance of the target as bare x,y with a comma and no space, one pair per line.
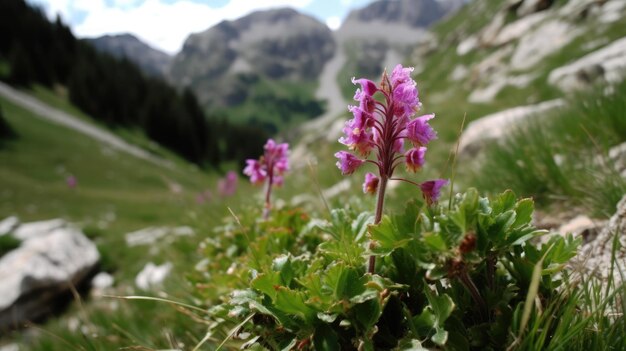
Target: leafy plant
464,278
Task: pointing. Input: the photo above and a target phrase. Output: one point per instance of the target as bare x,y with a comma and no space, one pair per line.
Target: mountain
383,33
152,61
278,45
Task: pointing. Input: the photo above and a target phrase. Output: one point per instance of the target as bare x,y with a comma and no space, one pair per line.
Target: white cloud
161,25
333,22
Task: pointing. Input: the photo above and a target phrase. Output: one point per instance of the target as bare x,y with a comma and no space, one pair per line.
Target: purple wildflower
71,181
415,158
371,183
419,132
431,189
384,123
270,167
348,163
228,185
255,171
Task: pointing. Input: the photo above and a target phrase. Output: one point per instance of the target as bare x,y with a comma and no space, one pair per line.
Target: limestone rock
608,63
102,281
152,275
531,6
151,235
547,39
583,226
596,256
496,125
8,224
52,257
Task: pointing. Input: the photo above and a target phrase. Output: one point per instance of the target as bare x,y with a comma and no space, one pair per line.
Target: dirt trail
57,116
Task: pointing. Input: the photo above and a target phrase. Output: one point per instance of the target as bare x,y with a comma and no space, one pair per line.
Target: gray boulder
53,257
596,257
607,63
495,126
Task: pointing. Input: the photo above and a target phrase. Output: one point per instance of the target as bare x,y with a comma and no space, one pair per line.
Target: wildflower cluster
270,167
389,129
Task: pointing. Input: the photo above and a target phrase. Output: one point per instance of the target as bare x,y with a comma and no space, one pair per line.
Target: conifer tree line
115,91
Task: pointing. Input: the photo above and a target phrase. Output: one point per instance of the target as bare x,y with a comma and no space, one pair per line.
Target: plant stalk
268,194
380,201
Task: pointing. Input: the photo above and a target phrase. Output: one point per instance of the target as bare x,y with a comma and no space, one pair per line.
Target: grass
562,157
116,194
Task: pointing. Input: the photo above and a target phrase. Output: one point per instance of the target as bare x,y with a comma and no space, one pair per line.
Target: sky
165,24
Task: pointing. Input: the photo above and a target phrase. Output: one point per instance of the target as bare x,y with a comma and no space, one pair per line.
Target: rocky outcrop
278,44
381,34
53,257
152,61
495,126
597,257
607,64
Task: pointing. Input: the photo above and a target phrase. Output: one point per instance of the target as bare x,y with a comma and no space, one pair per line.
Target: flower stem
380,201
268,194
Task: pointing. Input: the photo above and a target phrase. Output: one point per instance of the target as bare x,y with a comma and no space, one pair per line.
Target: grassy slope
116,194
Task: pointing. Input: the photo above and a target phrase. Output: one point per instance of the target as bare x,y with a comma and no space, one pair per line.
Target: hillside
152,61
549,77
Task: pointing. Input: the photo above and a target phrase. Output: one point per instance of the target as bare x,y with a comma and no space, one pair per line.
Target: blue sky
165,24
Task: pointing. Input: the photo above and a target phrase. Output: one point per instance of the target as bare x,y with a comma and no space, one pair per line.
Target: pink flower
415,158
401,75
228,185
419,131
431,189
255,171
368,88
273,163
370,186
348,163
71,181
271,166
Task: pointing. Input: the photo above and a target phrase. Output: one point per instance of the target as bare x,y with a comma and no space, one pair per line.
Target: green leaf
293,302
367,313
364,296
435,241
441,305
387,236
325,338
441,337
425,321
524,210
411,345
282,264
504,202
267,283
326,317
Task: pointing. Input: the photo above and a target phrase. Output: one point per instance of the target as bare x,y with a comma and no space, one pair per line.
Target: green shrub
459,279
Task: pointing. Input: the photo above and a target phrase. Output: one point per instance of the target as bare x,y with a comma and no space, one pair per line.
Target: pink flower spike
415,158
431,190
348,163
370,186
419,132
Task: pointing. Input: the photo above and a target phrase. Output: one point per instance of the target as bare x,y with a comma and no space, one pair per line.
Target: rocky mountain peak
277,44
415,13
152,61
